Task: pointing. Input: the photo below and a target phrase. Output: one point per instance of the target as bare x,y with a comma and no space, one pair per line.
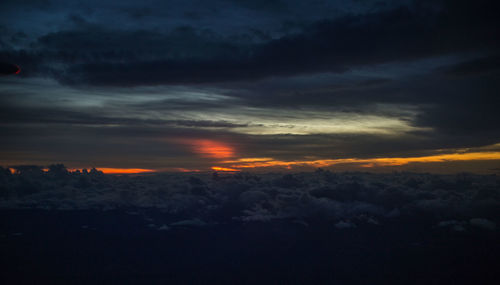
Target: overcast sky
251,84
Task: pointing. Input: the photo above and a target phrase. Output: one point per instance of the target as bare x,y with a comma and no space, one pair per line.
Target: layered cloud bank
126,84
346,200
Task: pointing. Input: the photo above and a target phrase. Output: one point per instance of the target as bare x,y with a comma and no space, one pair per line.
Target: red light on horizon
224,169
187,170
106,170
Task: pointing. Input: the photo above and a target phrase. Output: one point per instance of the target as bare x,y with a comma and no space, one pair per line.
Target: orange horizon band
370,162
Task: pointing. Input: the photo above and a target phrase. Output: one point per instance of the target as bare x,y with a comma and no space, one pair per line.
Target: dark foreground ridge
58,227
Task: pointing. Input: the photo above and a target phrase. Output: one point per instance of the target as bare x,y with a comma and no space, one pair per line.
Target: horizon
433,164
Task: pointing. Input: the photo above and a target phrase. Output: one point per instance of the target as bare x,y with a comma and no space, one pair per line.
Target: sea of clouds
346,200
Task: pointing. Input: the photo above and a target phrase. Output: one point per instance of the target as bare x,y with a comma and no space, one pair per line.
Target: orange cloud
254,159
124,170
211,148
225,169
187,170
368,163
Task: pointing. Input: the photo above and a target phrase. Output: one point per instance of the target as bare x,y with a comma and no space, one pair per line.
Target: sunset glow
212,149
245,160
124,170
187,170
224,169
249,163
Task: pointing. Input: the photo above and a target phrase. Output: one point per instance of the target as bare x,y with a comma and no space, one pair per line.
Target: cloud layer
345,200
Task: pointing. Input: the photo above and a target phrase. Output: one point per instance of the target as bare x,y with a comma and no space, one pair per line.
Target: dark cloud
40,115
273,6
465,106
112,57
38,4
301,225
477,66
359,198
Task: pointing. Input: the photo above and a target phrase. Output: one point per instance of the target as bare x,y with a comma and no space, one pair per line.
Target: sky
261,85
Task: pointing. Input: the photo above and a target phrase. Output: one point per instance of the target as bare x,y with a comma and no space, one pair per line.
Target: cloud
344,225
112,57
483,223
189,223
458,226
346,200
476,66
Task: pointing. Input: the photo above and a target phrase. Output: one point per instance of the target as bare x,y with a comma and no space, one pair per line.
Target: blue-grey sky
190,85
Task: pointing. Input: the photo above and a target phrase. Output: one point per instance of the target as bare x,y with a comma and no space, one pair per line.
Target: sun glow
224,169
211,148
180,169
248,163
124,170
